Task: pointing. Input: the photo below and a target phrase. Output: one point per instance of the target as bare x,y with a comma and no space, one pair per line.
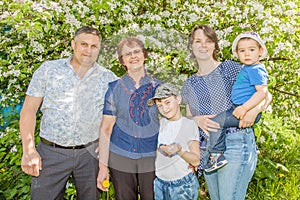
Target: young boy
249,89
178,148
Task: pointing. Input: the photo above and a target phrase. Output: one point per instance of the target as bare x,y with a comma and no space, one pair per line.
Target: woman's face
133,58
203,47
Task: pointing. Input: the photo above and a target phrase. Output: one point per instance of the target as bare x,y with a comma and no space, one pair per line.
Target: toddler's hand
239,112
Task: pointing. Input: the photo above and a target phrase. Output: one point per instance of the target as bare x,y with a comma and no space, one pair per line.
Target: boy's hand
171,149
239,112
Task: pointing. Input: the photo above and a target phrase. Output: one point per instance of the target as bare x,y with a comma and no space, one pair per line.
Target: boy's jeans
181,189
216,142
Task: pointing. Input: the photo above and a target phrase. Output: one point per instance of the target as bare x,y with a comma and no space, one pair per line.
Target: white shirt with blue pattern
72,107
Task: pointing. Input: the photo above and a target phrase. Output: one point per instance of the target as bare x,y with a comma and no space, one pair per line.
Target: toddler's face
249,51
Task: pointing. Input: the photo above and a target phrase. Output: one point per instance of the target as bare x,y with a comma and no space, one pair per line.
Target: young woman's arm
204,121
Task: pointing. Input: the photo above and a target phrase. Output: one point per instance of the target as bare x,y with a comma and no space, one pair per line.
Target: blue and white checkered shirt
210,94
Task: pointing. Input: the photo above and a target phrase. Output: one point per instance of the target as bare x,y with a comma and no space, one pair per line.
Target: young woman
207,93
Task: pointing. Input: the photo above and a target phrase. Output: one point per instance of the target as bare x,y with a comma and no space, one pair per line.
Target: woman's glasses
132,53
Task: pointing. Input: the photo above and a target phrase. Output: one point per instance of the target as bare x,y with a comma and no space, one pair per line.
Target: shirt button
137,122
134,150
135,136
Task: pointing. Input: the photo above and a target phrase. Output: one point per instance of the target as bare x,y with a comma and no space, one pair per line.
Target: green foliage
277,173
14,183
32,32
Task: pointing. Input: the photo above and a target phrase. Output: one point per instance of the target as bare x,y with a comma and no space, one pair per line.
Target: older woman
128,133
208,92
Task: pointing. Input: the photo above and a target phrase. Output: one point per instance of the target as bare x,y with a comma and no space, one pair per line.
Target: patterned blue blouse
210,94
135,132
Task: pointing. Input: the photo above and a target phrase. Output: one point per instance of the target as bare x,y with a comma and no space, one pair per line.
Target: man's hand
31,163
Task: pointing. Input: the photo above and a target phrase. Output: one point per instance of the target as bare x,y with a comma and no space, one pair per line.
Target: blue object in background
9,112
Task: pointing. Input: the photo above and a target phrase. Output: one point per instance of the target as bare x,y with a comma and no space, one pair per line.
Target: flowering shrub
35,31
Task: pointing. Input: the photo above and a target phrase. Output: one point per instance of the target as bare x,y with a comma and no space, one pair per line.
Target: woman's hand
103,176
206,124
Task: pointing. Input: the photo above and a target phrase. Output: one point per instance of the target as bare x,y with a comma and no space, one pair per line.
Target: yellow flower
281,175
105,183
168,57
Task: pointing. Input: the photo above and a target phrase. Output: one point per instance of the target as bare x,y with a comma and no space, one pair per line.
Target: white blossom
262,139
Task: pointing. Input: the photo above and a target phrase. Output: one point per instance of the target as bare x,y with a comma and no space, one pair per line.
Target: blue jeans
181,189
226,120
231,181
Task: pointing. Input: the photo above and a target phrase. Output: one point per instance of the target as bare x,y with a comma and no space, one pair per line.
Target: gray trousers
58,165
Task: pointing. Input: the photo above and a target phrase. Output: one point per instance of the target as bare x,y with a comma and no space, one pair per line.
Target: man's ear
73,44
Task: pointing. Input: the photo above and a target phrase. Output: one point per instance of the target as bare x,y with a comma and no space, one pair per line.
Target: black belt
52,144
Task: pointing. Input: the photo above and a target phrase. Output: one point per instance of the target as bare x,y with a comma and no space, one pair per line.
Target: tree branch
288,93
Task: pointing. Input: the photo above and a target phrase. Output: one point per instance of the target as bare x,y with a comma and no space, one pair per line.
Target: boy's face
169,107
249,51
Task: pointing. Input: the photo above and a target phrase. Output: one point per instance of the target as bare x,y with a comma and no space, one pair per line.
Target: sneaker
215,163
210,164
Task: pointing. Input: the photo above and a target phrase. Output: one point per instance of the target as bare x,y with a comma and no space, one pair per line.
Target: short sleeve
195,130
230,69
185,92
109,101
259,75
37,86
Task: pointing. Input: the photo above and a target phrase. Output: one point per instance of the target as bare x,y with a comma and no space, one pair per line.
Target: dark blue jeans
226,120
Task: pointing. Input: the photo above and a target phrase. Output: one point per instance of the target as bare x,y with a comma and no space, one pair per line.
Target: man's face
86,49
